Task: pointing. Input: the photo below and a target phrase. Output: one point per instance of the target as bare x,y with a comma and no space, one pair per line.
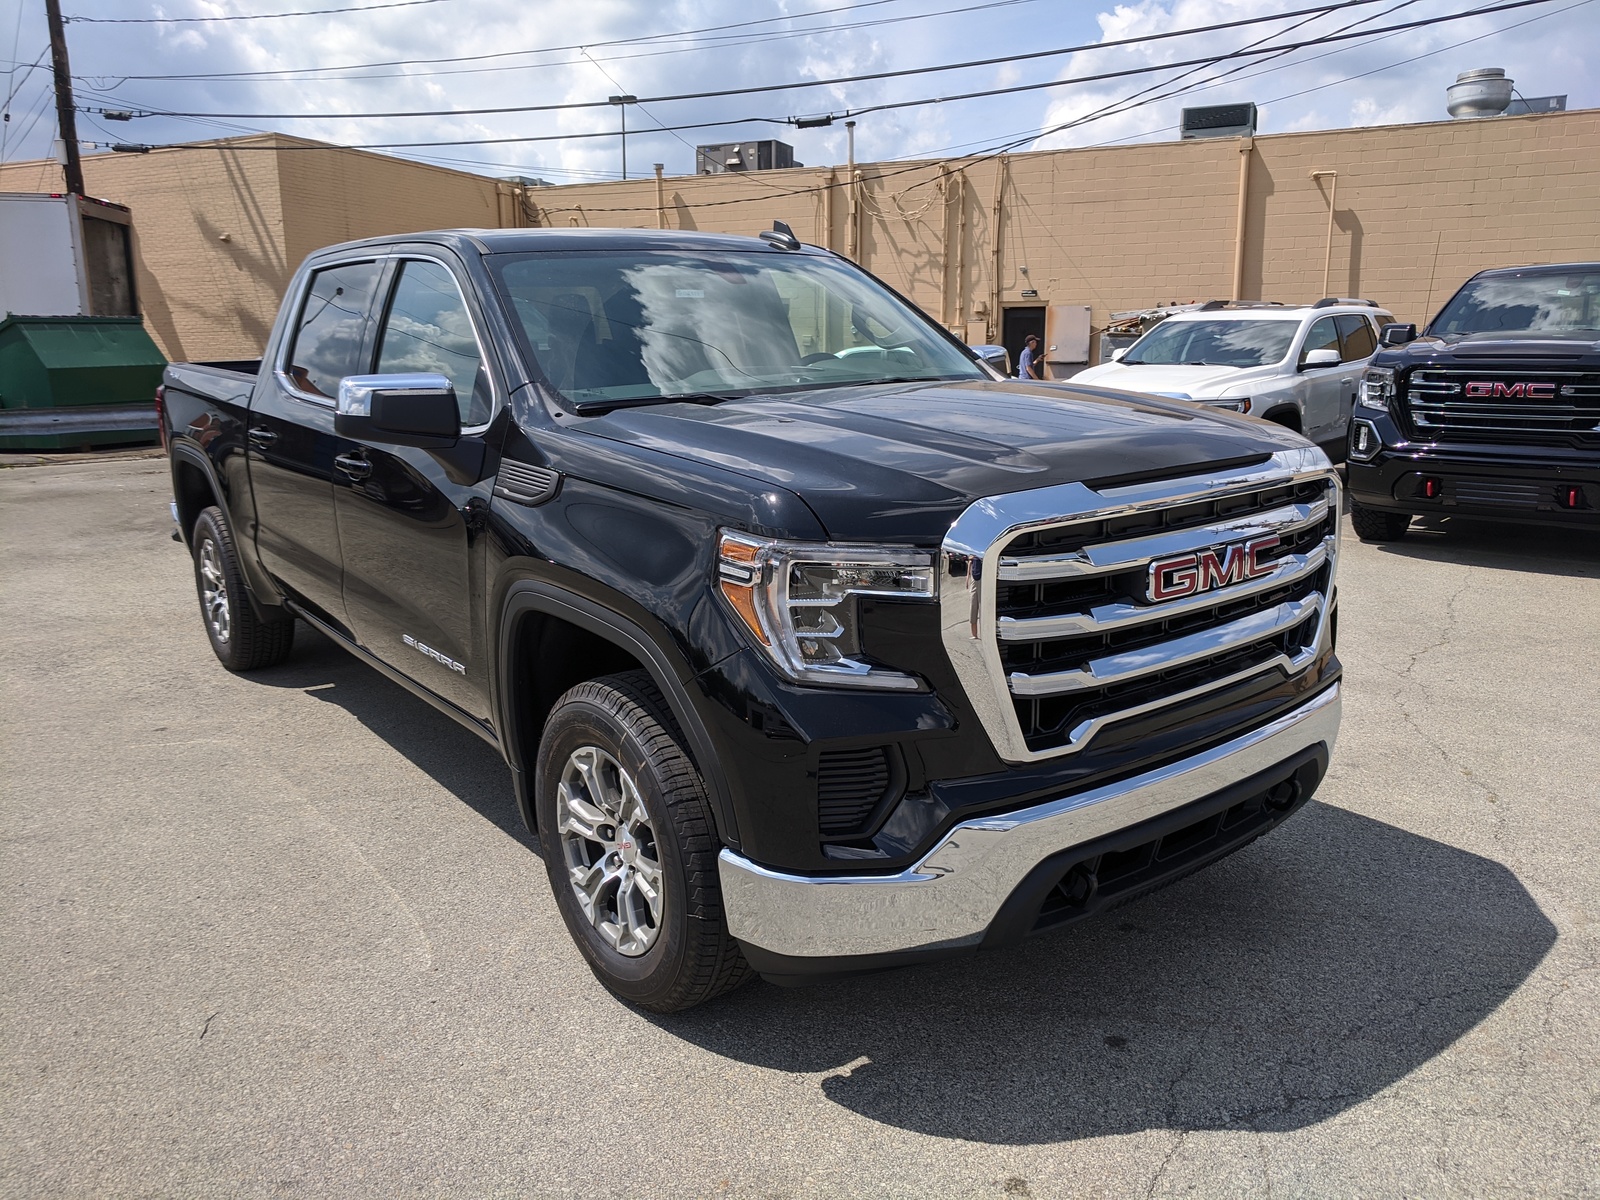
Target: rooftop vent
1218,120
1485,92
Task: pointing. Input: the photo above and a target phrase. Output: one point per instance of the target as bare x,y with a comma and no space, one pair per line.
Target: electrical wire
310,12
725,42
814,83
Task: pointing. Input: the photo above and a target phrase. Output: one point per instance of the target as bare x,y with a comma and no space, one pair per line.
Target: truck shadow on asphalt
1273,991
1280,987
457,760
1500,546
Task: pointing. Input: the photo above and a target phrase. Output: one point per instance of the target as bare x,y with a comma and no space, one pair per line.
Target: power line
728,41
903,104
814,83
310,12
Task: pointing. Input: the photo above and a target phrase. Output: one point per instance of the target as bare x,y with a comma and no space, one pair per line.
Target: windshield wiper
590,408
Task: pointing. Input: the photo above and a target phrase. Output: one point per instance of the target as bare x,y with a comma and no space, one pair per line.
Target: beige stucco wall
1418,209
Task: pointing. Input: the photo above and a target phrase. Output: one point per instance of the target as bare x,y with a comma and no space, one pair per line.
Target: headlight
798,600
1377,387
1238,404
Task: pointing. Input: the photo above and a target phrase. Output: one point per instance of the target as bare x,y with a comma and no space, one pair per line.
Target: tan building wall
219,230
1417,209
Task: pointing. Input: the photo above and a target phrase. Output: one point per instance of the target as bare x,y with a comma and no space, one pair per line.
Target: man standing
1028,365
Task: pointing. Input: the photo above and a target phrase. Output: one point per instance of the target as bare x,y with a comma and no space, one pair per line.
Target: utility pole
66,116
622,102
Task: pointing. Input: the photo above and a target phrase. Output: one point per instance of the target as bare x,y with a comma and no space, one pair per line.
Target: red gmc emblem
1204,570
1524,391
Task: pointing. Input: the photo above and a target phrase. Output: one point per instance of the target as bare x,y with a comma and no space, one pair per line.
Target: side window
1358,338
428,329
1324,335
327,340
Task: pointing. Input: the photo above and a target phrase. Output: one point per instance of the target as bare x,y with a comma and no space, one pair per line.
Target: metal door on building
1015,326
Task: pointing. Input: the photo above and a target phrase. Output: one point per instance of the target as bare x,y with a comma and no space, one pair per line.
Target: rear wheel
631,848
241,640
1376,525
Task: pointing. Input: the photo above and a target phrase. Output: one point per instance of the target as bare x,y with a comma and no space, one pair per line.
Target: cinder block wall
1418,209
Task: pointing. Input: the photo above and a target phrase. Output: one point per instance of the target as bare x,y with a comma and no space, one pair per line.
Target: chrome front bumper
948,899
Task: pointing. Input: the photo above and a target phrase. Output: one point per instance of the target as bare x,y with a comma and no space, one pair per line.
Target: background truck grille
1059,614
1563,408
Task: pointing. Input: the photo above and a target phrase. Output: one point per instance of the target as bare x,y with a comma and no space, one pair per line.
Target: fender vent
525,484
849,785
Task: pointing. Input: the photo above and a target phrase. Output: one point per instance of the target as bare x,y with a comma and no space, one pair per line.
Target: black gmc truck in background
1493,412
813,644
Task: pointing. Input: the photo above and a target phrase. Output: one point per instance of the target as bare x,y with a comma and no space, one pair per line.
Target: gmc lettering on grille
1523,391
1205,570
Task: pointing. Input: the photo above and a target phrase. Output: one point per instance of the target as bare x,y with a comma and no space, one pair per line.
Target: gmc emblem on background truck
1204,570
1523,391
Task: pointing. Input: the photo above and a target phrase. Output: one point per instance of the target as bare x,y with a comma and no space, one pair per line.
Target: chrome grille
1564,408
1051,620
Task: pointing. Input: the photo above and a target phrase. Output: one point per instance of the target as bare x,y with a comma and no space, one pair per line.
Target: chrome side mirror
1397,335
997,357
399,410
1316,359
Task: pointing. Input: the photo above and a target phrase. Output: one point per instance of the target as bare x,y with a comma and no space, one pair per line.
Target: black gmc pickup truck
1493,412
814,646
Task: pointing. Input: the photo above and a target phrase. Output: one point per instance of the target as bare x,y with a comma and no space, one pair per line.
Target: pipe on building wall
1246,153
1333,195
996,330
830,186
661,198
961,250
945,304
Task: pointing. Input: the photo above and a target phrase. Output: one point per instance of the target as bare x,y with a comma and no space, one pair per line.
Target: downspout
999,197
661,198
961,249
1246,151
1333,196
829,188
944,245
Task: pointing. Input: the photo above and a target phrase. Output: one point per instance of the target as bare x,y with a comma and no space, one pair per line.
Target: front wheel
241,640
1376,525
631,848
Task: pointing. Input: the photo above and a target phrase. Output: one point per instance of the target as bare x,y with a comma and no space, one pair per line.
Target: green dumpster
67,382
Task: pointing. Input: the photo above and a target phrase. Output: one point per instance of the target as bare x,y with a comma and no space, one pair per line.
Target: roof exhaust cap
1485,92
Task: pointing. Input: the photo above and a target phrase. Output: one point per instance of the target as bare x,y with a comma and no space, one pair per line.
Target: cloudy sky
258,74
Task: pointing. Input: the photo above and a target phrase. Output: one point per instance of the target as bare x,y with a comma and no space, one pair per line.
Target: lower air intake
850,783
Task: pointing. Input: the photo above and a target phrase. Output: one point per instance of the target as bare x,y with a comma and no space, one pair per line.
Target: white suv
1298,366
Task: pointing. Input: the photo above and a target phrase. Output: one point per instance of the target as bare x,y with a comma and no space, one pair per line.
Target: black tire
1376,525
690,956
241,640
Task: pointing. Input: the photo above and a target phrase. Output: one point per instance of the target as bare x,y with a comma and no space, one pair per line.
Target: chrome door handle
353,465
261,436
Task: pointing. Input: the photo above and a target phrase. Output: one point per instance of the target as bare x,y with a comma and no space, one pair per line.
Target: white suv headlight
1238,404
798,600
1377,387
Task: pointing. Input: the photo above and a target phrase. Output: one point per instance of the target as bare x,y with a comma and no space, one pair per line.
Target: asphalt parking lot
284,935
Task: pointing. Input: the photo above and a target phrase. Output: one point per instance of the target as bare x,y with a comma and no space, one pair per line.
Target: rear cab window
330,329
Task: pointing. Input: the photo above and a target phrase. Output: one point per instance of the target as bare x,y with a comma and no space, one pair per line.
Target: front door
1322,387
292,447
409,519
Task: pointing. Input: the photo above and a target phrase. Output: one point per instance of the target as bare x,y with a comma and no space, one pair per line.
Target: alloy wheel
214,592
610,848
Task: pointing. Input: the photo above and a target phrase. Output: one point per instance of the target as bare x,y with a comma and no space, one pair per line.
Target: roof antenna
781,236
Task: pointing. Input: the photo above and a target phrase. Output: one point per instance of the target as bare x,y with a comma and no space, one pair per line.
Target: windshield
633,326
1214,343
1560,304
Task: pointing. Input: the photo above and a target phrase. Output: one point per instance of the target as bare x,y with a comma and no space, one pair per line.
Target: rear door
1358,341
409,520
1320,386
292,449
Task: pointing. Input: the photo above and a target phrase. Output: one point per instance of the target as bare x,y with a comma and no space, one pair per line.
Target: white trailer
65,256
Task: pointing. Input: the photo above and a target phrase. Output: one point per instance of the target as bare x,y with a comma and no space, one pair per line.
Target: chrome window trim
969,566
280,369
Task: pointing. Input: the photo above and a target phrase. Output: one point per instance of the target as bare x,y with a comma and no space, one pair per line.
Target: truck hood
1160,380
1518,347
899,462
